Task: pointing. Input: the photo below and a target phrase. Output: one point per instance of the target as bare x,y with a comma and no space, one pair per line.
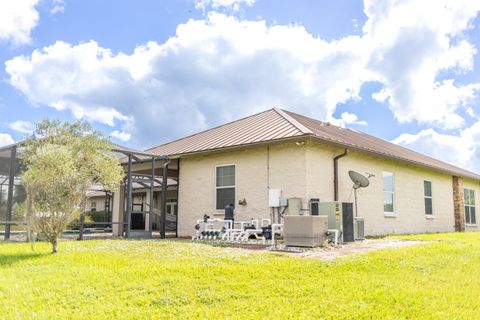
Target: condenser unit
340,217
304,231
359,228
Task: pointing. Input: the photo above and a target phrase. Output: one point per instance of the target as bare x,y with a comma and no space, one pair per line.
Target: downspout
335,174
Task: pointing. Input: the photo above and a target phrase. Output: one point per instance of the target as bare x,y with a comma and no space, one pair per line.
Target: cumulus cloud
17,19
221,67
461,149
412,42
212,71
57,6
120,135
347,119
234,5
5,139
22,126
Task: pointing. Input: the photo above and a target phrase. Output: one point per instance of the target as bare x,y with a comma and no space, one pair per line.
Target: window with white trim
93,206
225,186
388,193
427,195
469,198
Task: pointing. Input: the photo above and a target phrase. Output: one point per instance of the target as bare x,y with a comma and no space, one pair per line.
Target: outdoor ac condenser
304,231
360,228
340,217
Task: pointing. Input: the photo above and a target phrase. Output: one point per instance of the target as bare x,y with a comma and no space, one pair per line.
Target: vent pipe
335,174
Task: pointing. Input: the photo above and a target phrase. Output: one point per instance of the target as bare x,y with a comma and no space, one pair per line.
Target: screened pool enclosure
144,205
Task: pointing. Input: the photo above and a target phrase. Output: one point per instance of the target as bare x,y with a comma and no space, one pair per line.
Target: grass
120,279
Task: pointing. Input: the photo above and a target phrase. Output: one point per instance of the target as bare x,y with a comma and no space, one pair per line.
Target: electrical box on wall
274,196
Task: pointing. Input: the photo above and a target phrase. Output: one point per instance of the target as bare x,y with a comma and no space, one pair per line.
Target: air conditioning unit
304,231
359,228
340,217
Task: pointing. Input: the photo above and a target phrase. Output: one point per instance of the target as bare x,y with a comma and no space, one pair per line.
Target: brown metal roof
261,127
277,124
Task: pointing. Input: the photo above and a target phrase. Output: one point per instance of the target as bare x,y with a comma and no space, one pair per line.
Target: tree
63,160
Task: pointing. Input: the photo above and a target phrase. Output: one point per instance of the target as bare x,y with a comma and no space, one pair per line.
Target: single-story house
240,161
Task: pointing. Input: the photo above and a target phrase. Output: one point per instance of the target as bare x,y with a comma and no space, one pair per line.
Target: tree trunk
54,246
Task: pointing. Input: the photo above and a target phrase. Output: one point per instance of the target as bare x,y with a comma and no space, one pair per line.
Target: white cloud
58,6
346,119
22,126
235,5
221,67
120,135
213,70
5,139
17,19
412,42
462,149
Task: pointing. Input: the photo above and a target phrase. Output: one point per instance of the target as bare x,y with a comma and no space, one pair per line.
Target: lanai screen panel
10,170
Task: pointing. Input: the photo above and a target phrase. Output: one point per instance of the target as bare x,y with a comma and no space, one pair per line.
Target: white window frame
428,216
223,187
469,205
386,213
172,205
93,205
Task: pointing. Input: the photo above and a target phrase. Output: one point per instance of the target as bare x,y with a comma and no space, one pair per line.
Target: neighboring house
95,202
240,161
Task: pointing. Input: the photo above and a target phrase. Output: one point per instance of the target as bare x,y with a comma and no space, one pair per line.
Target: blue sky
145,72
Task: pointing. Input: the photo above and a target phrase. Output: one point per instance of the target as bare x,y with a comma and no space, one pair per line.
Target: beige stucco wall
278,167
409,204
306,171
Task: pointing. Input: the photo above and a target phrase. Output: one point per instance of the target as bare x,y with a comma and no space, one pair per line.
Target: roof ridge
209,129
292,121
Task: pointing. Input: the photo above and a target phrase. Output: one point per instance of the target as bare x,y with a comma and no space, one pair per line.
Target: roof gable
268,125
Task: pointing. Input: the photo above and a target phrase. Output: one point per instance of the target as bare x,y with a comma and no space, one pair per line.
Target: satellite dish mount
359,181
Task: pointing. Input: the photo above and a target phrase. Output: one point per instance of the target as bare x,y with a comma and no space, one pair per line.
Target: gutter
335,174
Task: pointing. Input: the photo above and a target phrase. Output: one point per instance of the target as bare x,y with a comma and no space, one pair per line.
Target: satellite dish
359,180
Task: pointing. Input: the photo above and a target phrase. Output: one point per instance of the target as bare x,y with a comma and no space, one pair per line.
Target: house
238,162
98,201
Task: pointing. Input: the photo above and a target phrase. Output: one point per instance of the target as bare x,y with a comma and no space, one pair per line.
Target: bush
99,216
75,224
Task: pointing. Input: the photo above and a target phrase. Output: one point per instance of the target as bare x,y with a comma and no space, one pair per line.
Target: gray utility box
305,231
294,207
340,217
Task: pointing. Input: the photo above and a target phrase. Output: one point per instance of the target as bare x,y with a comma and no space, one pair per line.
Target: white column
117,211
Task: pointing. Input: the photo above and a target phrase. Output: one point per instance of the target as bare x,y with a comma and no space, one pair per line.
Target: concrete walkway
330,252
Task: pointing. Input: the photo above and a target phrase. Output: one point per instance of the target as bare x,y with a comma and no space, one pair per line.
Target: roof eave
240,146
393,157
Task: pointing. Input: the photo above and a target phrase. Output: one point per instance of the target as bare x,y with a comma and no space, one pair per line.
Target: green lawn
120,279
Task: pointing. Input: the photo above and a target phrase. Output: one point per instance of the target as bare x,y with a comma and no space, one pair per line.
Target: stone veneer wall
458,204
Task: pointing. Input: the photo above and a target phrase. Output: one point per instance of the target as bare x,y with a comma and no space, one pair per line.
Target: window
469,197
225,186
388,193
427,194
93,206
